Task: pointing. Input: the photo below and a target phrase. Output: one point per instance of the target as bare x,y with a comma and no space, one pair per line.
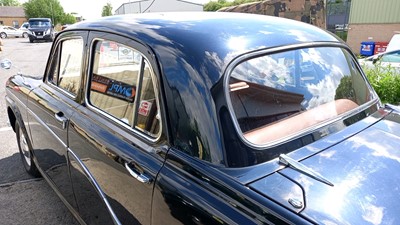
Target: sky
91,9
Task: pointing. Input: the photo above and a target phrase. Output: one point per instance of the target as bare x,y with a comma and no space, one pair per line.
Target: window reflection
69,73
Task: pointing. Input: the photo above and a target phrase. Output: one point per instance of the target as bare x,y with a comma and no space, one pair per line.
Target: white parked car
394,43
385,59
7,31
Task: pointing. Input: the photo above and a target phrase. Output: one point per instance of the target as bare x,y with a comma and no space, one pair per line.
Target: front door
51,106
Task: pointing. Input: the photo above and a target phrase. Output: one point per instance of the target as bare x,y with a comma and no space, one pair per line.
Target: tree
9,3
45,9
68,19
107,10
215,5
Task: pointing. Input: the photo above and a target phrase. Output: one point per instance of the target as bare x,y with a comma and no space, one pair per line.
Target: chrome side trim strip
95,185
41,122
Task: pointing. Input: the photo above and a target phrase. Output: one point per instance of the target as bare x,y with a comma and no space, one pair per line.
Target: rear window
280,96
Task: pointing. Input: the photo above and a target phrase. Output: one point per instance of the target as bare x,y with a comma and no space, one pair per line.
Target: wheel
30,40
25,35
3,35
51,38
25,151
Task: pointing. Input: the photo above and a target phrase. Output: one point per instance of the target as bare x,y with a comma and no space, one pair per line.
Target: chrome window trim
51,84
112,118
247,56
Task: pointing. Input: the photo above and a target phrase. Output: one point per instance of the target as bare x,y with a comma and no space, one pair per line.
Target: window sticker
125,54
113,88
144,108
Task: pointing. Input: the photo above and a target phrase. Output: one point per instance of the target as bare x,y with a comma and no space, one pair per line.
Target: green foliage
215,5
107,10
337,8
212,6
342,35
9,3
45,9
68,19
386,82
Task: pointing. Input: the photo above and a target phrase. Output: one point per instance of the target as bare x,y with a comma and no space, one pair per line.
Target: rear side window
123,86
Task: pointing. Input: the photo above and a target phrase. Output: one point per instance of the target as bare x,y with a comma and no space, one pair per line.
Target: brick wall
361,32
7,21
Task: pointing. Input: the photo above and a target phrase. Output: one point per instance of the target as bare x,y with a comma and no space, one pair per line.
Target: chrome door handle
140,177
60,117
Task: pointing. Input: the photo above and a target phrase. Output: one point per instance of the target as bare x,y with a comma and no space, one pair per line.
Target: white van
394,43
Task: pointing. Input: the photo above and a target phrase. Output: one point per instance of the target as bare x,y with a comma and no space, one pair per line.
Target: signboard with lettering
113,88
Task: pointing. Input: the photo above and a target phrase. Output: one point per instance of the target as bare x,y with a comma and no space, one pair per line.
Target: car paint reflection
365,181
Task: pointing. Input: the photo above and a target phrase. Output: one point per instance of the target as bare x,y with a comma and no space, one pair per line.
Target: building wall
372,20
8,21
373,11
370,32
158,6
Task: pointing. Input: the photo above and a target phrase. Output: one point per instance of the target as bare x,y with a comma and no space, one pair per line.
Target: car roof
212,38
41,19
193,50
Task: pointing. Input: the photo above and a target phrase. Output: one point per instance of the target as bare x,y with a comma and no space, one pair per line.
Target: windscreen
280,96
39,23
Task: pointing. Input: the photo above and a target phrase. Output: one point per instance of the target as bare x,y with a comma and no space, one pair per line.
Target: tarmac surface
24,199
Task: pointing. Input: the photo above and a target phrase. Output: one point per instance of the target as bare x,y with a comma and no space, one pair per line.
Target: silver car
7,31
386,60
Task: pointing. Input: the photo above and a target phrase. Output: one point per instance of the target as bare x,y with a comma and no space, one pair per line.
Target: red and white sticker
144,108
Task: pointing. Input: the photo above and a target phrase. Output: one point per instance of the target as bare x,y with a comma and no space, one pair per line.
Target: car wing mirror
6,64
375,59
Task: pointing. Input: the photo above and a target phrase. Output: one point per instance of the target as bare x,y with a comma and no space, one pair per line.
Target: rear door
10,31
50,107
117,142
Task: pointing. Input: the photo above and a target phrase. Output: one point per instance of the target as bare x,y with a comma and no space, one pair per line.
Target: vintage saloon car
208,118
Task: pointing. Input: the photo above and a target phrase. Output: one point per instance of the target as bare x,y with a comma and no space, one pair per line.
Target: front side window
280,96
123,86
66,70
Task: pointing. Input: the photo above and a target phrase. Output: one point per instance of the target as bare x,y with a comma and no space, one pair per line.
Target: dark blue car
208,118
40,29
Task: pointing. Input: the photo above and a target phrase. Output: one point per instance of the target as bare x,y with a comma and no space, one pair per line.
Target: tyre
25,35
30,40
51,38
25,151
3,35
